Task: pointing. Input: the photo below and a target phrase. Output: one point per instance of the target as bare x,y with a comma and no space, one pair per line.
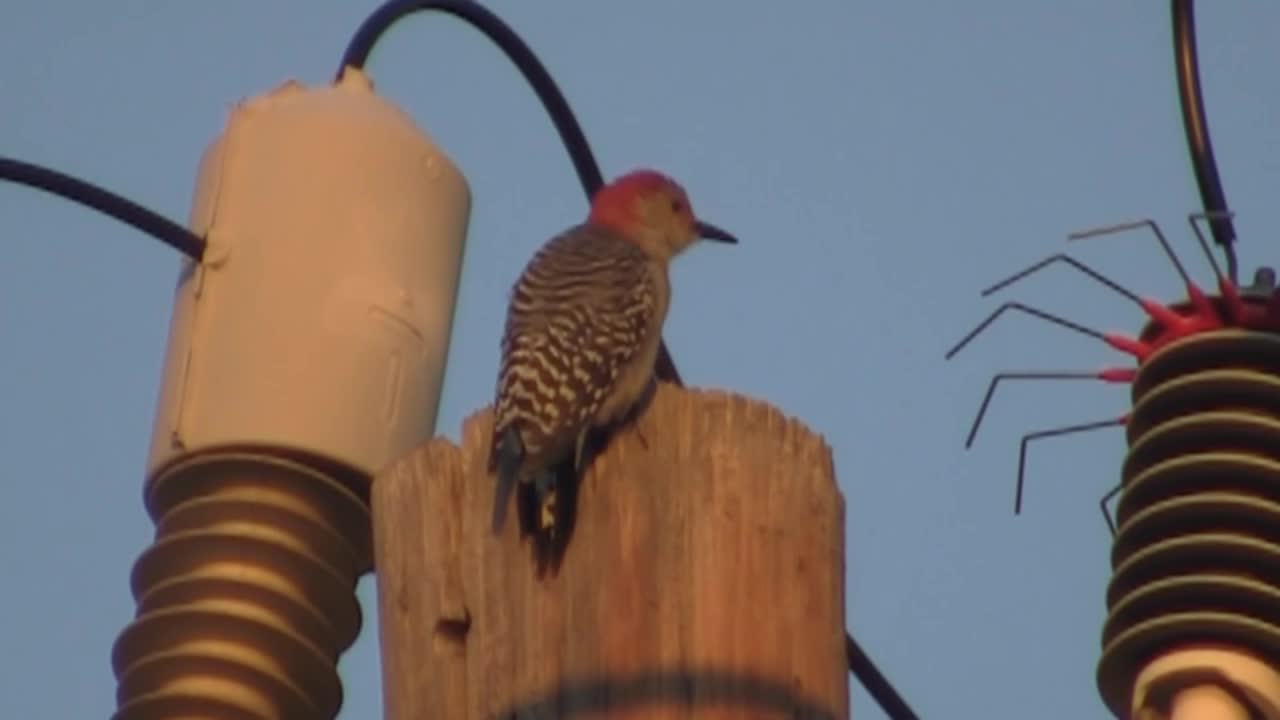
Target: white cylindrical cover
319,318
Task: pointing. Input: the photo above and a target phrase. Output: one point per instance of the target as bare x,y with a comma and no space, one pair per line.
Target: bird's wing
578,313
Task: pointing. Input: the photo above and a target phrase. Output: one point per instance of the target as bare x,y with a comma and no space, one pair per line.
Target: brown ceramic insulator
247,596
1196,557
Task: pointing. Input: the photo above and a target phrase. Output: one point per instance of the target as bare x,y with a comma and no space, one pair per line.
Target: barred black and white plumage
583,330
585,308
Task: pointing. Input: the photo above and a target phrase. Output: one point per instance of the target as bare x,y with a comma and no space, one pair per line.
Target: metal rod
1053,432
1063,258
1124,227
1035,312
1026,375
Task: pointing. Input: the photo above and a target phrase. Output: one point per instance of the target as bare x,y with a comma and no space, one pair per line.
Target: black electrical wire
1197,127
504,37
357,54
876,684
106,202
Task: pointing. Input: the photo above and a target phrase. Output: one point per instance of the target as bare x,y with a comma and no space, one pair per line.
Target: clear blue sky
881,163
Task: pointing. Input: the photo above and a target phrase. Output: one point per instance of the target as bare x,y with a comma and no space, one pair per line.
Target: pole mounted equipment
244,601
1193,624
306,351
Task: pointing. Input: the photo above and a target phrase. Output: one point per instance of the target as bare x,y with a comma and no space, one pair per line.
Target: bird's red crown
615,203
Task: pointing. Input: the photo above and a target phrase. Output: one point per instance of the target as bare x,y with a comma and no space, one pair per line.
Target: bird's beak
711,232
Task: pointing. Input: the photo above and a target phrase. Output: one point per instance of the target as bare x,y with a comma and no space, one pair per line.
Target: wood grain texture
704,579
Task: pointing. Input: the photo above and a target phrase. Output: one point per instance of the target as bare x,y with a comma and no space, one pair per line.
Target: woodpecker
582,333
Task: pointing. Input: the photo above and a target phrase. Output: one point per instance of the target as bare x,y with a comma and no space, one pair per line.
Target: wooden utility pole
704,578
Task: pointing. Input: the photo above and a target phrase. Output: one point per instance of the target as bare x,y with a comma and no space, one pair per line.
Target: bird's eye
677,207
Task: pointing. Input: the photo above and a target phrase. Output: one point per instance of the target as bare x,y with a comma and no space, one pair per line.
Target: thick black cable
575,141
1196,124
193,246
566,124
521,55
876,684
106,202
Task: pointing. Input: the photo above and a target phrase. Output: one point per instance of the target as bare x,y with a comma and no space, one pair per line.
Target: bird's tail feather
509,454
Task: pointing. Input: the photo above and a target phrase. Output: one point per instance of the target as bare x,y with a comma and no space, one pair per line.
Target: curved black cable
876,684
584,162
504,37
106,202
1197,127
